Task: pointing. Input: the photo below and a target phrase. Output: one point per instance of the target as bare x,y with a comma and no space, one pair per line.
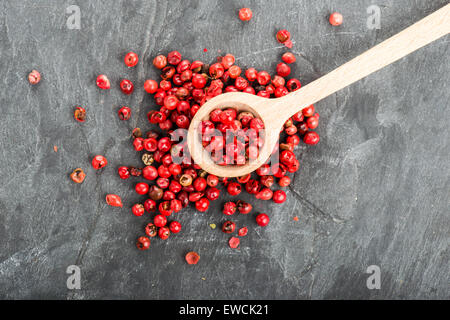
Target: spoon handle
412,38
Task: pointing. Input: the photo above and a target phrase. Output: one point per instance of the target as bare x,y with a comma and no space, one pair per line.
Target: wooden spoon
275,112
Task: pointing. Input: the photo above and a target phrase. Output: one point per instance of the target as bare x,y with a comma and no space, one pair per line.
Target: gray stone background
374,191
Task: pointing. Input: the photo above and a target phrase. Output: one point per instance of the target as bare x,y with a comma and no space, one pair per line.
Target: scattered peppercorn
126,86
243,232
245,14
138,210
228,227
114,200
78,175
143,243
99,162
79,114
124,113
336,19
262,219
192,257
103,82
234,242
131,59
184,88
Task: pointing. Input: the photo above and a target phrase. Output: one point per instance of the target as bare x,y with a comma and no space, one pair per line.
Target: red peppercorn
243,232
267,181
234,72
150,173
263,78
262,219
244,207
138,144
336,19
160,220
138,210
99,162
245,14
103,82
175,227
253,186
227,62
78,175
164,172
212,193
234,242
279,196
234,188
171,102
135,172
199,184
311,138
131,59
34,77
165,208
281,91
244,179
195,196
284,181
283,36
288,57
175,169
216,70
126,86
283,69
229,208
308,111
240,83
192,257
264,170
176,205
278,81
149,205
164,144
212,180
164,233
264,194
287,157
302,128
143,243
174,57
168,195
228,227
168,73
124,113
151,230
293,139
165,85
114,200
142,188
198,81
79,114
202,205
160,61
251,74
293,84
150,86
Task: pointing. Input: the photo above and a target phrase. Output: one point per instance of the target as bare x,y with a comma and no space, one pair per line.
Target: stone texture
374,191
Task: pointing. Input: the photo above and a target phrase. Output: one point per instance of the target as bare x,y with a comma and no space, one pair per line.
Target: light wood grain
274,112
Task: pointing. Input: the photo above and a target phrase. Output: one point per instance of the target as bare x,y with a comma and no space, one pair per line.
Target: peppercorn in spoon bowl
275,112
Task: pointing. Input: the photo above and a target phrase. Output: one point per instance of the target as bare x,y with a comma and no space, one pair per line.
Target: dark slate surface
374,192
